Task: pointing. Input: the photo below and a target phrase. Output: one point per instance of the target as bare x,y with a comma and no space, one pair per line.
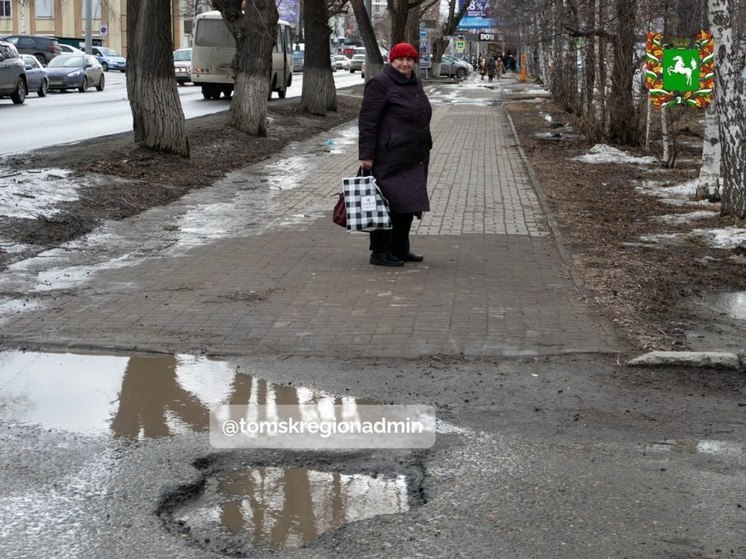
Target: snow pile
601,153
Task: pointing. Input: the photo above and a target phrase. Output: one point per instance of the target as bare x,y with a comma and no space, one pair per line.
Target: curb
703,359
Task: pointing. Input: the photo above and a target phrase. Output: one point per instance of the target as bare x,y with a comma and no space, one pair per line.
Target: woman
395,143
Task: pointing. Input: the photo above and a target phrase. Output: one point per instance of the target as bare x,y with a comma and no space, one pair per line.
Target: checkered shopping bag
367,209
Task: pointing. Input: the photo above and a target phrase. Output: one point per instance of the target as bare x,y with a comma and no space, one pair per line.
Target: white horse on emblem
680,68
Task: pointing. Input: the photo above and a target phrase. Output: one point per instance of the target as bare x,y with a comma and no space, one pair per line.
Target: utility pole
369,9
88,26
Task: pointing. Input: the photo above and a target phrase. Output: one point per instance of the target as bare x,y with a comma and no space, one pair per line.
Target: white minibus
213,51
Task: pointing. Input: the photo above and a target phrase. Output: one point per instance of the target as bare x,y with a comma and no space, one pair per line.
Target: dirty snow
35,192
727,238
676,195
601,153
680,219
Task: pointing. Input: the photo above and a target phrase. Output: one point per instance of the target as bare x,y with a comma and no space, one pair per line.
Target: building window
4,8
44,8
95,7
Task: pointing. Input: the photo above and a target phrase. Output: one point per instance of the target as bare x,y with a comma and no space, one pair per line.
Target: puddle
729,304
134,396
693,446
287,507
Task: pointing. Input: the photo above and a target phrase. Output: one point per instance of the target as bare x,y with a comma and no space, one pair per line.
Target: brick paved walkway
254,264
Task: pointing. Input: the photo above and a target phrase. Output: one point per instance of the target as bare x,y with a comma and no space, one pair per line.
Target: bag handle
364,172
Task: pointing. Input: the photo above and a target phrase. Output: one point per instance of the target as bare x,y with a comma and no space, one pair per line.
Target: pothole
269,507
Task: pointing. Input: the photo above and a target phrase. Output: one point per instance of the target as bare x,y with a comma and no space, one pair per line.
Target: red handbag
340,212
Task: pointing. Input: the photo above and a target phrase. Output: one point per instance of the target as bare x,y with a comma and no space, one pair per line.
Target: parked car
469,65
67,49
75,71
37,80
12,74
340,62
299,58
183,65
43,48
356,63
450,67
109,59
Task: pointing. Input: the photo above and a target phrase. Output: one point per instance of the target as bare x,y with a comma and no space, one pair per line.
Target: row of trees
589,53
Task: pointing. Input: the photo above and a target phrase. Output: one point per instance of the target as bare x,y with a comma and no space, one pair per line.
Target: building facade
65,19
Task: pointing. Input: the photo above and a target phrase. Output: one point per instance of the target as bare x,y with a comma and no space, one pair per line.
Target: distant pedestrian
395,142
500,67
491,67
482,66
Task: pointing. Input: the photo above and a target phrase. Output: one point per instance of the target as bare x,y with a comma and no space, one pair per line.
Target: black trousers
395,240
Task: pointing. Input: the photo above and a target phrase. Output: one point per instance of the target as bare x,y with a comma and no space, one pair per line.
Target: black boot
384,259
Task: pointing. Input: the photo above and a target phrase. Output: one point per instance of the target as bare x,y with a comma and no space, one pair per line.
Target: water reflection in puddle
730,304
135,396
288,507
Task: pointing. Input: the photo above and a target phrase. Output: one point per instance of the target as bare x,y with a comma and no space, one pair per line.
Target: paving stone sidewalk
255,265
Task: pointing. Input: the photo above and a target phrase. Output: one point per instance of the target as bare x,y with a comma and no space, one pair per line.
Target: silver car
450,67
356,63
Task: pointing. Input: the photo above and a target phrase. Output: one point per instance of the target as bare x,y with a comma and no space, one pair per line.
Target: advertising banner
288,10
479,15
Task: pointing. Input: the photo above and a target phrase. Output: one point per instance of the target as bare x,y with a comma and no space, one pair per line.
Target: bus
213,51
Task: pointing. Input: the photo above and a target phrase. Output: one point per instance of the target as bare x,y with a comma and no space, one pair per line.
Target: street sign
103,29
460,46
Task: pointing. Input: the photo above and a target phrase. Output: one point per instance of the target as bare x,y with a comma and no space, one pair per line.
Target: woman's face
403,64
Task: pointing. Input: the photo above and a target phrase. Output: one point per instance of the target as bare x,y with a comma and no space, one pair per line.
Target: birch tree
709,173
726,20
255,32
157,117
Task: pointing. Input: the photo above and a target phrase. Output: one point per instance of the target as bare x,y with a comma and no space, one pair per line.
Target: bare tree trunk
316,66
590,59
623,126
729,93
157,117
374,58
709,174
399,11
255,33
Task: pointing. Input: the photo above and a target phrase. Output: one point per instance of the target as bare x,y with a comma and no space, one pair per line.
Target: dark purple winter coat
394,127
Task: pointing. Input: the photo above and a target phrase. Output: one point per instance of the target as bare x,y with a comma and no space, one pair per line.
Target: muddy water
137,396
730,304
287,507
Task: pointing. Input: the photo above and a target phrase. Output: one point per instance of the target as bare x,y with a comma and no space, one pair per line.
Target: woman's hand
366,164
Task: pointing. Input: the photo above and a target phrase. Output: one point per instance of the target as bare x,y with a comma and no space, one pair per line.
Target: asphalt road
64,117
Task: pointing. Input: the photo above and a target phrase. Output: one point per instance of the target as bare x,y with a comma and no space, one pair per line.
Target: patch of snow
664,238
35,192
676,195
727,238
679,219
601,153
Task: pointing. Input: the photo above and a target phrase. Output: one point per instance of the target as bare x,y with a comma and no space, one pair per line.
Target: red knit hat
402,50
